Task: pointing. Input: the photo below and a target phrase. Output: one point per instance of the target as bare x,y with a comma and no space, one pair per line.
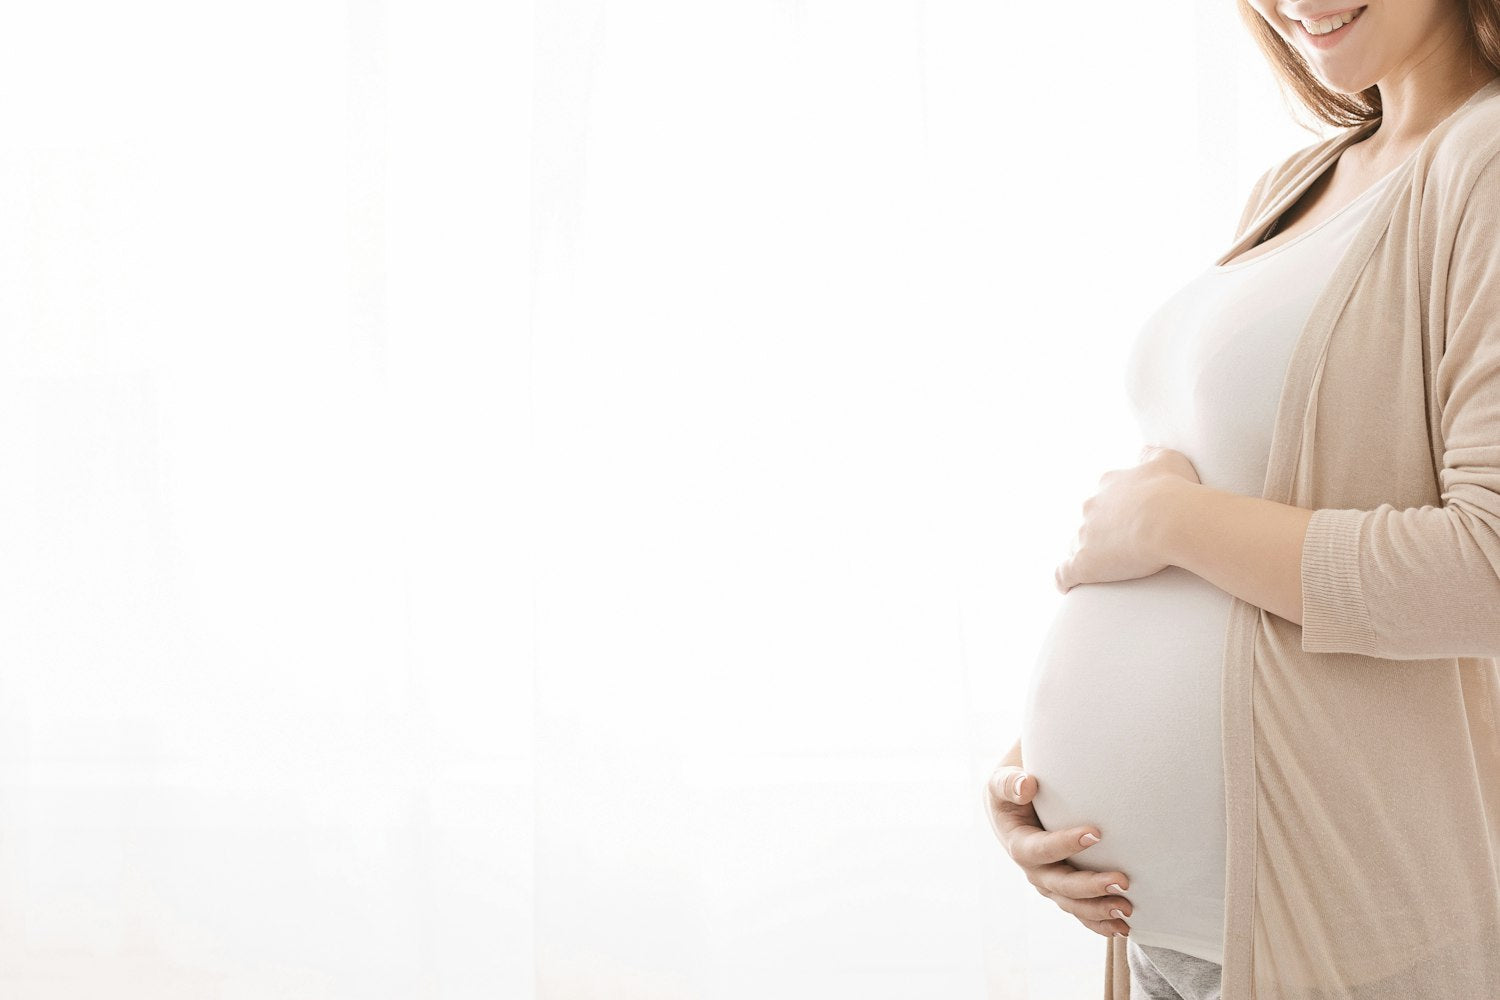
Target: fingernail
1117,913
1019,778
1088,840
1118,934
1114,887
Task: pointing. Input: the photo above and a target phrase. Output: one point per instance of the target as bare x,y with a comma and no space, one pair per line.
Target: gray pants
1164,974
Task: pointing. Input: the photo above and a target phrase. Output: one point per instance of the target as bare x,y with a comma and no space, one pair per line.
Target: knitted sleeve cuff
1335,617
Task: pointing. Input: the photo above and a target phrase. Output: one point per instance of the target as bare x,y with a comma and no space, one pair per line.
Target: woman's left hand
1118,539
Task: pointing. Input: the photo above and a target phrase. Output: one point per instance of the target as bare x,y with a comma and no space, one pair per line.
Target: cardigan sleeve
1424,582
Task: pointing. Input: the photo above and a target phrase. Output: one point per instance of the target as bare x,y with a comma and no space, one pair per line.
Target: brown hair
1482,17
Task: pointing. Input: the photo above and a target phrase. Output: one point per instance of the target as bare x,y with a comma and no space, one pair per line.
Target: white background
557,500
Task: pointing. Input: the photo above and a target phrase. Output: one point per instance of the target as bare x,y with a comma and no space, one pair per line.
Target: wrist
1170,509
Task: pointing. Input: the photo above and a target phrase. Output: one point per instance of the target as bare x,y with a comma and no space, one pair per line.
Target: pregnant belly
1122,728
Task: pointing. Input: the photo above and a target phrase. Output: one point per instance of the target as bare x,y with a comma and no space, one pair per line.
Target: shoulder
1465,151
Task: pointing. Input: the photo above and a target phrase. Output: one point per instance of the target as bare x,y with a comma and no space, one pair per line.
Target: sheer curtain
829,312
558,499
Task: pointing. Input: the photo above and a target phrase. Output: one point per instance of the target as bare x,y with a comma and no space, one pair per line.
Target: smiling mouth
1356,13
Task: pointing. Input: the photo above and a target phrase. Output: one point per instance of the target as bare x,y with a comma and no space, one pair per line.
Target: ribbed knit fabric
1334,616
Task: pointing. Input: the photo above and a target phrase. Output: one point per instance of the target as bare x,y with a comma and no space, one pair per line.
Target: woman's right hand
1042,854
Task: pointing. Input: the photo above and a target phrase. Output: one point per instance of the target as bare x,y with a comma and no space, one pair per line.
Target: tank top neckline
1358,199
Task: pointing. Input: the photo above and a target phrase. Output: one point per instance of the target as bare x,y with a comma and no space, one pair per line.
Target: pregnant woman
1260,750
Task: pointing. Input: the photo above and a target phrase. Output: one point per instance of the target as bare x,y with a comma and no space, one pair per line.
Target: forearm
1246,546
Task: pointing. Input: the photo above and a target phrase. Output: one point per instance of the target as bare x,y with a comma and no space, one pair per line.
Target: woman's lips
1331,39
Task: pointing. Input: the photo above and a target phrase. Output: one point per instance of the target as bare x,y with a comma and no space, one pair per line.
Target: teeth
1330,24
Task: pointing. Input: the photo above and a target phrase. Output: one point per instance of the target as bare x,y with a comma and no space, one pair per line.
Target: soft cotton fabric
1140,659
1361,748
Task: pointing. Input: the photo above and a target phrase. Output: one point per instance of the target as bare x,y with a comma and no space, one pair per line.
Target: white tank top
1122,722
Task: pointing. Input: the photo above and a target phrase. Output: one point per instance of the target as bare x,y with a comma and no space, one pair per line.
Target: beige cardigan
1362,748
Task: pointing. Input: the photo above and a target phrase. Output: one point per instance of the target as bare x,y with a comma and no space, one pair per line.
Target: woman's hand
1119,538
1090,896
